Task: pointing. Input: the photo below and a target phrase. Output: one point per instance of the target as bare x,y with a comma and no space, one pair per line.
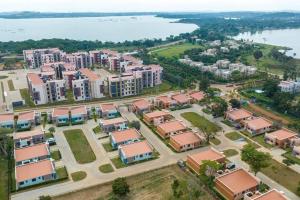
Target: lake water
115,29
285,37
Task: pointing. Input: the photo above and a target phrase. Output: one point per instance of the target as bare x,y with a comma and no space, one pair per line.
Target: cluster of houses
290,86
232,184
282,138
60,72
222,68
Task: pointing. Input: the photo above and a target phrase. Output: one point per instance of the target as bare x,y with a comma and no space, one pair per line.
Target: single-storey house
197,96
269,195
26,120
157,117
258,125
61,116
108,111
28,138
116,124
181,99
35,173
78,114
135,152
7,120
234,184
281,138
170,128
194,161
238,115
32,154
165,102
126,136
185,141
141,106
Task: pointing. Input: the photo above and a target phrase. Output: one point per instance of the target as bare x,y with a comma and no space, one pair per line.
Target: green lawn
62,173
215,141
107,147
25,95
289,156
164,87
201,122
174,51
118,162
233,136
283,175
3,179
79,145
97,129
230,152
106,168
78,176
11,86
49,135
56,155
259,139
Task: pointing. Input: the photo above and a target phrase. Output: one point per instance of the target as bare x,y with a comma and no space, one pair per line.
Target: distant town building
289,86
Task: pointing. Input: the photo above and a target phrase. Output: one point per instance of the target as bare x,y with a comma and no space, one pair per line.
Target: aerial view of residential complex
140,99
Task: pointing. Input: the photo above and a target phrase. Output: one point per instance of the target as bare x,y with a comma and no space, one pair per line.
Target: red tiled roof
186,138
31,152
35,79
27,134
118,120
181,98
34,170
136,148
210,154
125,135
238,114
172,126
78,110
60,112
107,107
90,74
6,117
26,115
258,123
156,114
164,99
197,95
282,134
141,104
271,195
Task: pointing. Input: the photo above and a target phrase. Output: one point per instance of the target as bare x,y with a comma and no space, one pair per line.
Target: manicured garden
233,136
201,122
107,147
118,163
78,176
11,86
56,155
106,168
230,152
80,146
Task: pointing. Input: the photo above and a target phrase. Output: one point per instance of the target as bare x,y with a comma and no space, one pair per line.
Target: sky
147,5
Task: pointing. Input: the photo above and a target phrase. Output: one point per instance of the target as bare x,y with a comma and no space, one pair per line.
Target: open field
147,186
174,51
201,122
79,145
283,175
164,87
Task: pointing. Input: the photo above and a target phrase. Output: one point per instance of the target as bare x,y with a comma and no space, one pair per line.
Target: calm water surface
285,37
115,29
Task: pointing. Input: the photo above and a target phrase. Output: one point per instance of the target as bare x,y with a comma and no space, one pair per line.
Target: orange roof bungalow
7,120
157,117
194,161
108,111
61,116
116,124
238,115
124,137
258,125
282,138
181,99
26,120
197,96
35,173
135,152
32,154
28,138
165,102
170,128
79,115
270,195
141,106
235,184
185,141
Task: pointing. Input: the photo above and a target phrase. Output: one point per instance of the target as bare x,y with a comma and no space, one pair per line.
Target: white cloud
146,5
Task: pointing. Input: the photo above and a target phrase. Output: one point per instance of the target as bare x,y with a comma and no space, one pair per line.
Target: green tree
219,107
135,124
204,84
51,130
235,103
271,87
208,134
288,162
257,160
120,187
209,168
257,54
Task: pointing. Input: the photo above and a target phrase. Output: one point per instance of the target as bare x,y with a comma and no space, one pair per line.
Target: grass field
106,168
201,122
107,147
118,163
62,173
164,87
3,179
79,145
56,155
283,175
233,136
97,129
150,185
78,176
230,152
11,86
174,51
215,141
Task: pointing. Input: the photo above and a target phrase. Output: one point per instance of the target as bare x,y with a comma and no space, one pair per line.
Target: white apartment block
289,86
56,90
96,83
79,59
37,57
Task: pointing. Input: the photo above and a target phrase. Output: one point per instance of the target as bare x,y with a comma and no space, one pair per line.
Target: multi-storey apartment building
79,59
37,57
126,84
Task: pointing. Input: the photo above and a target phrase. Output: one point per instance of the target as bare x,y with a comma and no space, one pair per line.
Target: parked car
181,164
230,166
51,141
